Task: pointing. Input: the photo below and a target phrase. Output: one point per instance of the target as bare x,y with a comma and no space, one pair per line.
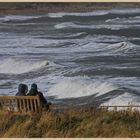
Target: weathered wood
24,105
28,105
39,105
32,105
18,97
20,103
35,105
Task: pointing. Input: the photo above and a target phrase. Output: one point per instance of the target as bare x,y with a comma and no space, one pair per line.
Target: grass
70,124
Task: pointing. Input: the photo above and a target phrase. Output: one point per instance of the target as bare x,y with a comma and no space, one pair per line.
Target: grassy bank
71,124
44,7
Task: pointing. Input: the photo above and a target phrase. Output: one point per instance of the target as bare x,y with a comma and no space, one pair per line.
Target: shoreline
44,8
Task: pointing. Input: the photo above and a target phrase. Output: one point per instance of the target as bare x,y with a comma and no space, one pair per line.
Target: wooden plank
28,105
38,104
24,105
17,97
31,105
20,105
35,105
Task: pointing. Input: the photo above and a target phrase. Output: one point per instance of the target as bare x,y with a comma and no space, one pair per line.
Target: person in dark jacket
34,92
22,90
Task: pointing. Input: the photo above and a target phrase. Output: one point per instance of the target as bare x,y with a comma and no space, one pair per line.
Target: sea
74,58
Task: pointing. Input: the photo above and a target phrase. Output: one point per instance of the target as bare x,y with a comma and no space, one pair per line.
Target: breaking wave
17,18
61,14
12,66
95,13
126,99
79,87
111,27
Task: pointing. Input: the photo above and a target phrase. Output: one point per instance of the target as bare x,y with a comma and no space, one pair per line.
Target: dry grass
71,124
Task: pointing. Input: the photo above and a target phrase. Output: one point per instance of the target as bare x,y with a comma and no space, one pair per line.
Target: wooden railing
33,104
125,107
91,107
20,104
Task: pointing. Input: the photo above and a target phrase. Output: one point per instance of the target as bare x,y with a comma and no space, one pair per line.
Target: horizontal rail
18,97
121,106
92,106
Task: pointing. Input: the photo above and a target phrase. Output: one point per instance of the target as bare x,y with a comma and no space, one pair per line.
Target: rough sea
75,58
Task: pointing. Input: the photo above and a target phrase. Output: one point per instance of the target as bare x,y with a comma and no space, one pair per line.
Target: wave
124,47
103,26
17,18
95,13
111,20
119,46
64,25
125,11
13,66
123,100
62,14
130,20
78,87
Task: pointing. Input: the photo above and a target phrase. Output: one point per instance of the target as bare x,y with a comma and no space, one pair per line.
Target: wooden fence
20,103
94,108
33,104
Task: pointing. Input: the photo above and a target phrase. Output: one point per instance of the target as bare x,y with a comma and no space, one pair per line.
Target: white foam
111,26
130,20
12,66
125,11
125,99
17,18
62,14
95,13
123,47
64,25
79,87
111,20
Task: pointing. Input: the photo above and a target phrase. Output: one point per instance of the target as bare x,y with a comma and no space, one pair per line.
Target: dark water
73,57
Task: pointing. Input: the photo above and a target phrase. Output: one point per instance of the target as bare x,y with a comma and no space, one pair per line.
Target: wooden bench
20,104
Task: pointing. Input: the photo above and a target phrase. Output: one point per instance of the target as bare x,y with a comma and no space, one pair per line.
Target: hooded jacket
22,90
33,92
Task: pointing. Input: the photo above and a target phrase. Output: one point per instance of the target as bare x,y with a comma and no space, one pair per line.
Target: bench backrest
20,103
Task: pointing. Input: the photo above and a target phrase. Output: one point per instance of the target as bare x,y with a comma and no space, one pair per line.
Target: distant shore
42,8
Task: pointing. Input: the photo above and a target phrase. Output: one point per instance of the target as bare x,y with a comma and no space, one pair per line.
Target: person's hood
22,88
34,86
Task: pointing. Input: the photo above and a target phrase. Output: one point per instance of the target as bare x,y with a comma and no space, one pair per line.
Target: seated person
22,90
34,91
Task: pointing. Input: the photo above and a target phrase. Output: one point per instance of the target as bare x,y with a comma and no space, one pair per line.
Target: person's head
23,89
34,86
